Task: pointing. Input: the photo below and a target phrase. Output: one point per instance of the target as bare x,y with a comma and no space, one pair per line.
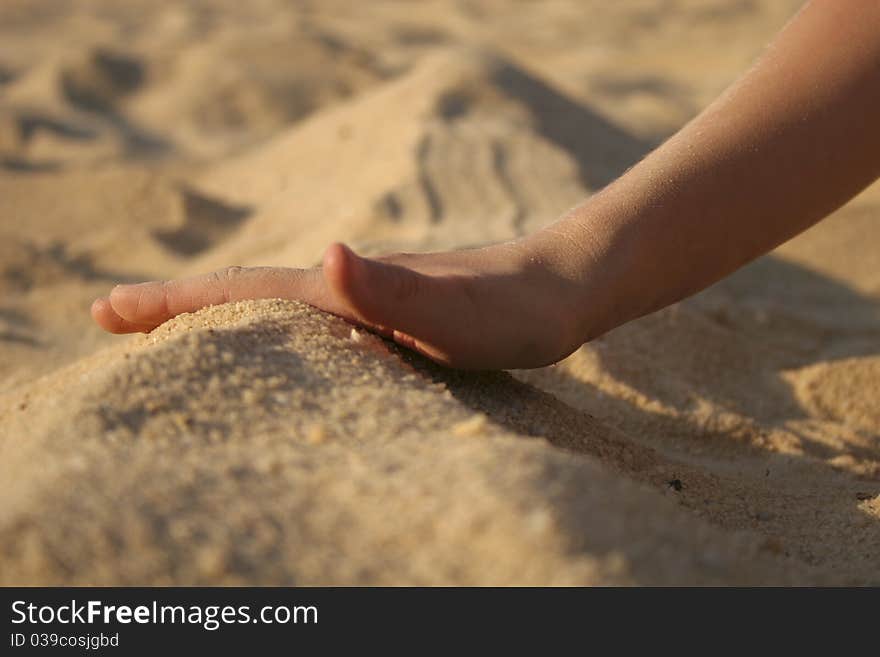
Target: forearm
792,140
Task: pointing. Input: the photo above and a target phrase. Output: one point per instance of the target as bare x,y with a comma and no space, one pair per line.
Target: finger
107,319
157,301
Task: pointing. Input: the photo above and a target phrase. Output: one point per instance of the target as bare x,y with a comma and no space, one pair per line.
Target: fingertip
119,300
98,304
141,303
106,317
99,308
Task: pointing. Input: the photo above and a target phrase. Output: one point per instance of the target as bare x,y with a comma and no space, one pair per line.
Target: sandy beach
731,439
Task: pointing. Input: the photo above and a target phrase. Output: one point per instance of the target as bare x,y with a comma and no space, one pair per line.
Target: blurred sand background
732,439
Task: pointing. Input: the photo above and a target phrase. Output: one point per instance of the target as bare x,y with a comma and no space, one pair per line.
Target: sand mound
265,442
467,149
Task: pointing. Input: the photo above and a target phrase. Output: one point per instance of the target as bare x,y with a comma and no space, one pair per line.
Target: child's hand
791,141
479,309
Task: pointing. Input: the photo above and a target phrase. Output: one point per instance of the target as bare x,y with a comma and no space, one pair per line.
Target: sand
731,439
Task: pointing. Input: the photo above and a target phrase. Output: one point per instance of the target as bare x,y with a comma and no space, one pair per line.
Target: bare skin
795,138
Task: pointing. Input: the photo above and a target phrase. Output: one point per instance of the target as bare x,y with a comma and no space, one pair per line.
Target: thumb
395,300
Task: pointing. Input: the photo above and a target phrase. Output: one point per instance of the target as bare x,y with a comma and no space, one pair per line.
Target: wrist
588,253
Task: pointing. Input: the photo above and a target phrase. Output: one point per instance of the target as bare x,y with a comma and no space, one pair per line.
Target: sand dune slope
466,149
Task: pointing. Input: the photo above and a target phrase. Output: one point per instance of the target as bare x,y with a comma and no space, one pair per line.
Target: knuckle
165,297
232,273
225,279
